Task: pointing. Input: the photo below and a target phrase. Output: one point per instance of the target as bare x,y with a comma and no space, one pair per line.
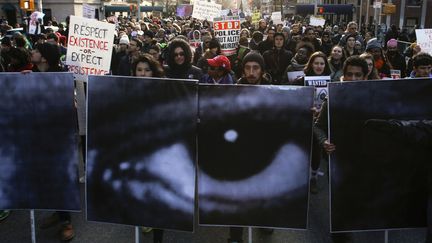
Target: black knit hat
254,57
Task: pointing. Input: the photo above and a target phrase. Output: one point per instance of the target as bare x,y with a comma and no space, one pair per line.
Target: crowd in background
186,48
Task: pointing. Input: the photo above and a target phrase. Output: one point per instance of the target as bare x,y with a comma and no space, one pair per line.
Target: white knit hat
124,40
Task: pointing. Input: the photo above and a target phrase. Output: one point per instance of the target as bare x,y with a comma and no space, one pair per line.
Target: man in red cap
219,71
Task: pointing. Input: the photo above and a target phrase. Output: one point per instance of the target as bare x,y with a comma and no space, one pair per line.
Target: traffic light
27,5
320,10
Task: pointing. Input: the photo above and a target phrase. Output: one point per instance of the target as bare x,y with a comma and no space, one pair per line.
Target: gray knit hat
254,57
373,43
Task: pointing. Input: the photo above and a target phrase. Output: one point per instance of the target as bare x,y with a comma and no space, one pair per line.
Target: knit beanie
392,43
254,57
373,43
124,40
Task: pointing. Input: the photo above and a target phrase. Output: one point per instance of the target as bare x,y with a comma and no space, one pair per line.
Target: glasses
179,54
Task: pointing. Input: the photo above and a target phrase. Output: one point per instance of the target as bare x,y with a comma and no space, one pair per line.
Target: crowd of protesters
186,48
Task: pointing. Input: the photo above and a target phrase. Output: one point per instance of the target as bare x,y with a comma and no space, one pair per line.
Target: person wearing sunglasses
179,60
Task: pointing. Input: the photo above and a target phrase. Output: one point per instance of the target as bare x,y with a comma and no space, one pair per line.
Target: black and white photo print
141,151
378,175
254,146
38,143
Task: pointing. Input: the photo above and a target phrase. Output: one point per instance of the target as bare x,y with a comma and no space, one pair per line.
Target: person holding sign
303,51
147,66
316,66
46,58
396,59
354,69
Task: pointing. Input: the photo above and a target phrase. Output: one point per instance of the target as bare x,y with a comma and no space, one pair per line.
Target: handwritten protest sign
88,11
321,90
256,16
314,21
277,18
206,10
89,53
424,39
184,10
228,34
90,47
34,22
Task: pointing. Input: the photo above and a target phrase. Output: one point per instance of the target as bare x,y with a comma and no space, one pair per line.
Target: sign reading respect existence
90,47
206,10
424,39
228,34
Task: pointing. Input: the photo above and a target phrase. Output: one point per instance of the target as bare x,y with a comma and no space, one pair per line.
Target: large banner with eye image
383,136
141,151
38,146
254,146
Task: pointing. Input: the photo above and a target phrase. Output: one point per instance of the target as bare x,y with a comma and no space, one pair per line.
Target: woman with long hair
145,65
317,65
336,61
372,71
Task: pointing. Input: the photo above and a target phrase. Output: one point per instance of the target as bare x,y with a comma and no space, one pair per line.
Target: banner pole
250,234
137,234
32,223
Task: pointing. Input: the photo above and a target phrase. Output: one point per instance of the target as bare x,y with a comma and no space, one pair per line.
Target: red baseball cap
220,61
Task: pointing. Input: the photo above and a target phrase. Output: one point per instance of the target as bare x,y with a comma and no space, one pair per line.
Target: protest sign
256,16
320,84
90,47
204,10
378,172
89,52
424,39
89,11
292,76
395,74
314,21
150,178
228,34
39,153
277,18
184,10
34,22
238,172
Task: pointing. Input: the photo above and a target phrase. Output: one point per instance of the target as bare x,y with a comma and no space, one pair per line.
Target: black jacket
191,72
276,61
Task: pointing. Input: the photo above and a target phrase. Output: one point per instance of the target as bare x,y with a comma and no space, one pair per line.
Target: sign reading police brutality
90,47
228,34
321,90
206,10
424,39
